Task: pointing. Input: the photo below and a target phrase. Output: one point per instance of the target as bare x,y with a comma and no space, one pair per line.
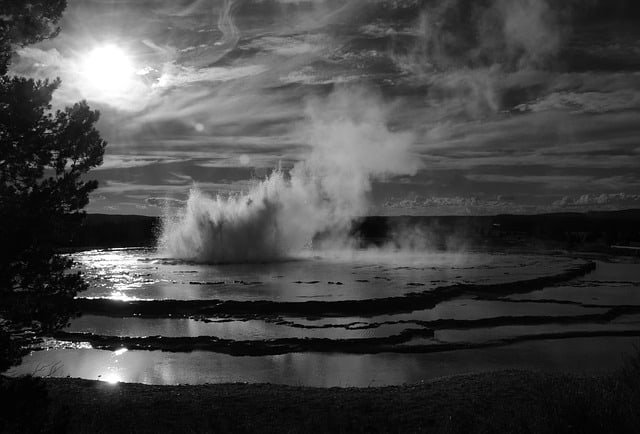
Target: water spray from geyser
351,145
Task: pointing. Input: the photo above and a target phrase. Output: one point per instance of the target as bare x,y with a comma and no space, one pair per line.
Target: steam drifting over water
351,145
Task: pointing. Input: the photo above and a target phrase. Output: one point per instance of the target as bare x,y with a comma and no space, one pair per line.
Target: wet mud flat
291,324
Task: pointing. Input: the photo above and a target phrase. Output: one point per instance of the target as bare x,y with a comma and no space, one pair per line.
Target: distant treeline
109,230
592,230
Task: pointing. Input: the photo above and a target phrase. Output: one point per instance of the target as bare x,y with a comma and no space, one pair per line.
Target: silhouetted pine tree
43,157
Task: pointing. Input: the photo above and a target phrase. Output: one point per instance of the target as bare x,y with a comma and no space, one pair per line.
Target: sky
473,107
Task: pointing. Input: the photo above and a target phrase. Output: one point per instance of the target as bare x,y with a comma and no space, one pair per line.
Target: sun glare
108,69
111,378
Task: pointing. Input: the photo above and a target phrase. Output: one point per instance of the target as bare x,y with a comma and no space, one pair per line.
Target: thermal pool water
342,319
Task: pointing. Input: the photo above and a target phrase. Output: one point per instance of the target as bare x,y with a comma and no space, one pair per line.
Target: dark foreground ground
507,401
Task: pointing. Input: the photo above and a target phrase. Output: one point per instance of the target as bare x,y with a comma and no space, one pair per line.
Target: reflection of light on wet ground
330,328
609,284
111,378
580,355
118,295
229,329
55,344
135,274
484,334
114,370
118,271
139,274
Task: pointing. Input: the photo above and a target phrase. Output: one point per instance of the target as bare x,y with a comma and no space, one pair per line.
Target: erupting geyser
351,145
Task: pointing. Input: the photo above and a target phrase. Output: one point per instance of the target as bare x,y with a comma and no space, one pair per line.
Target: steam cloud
351,145
470,53
514,34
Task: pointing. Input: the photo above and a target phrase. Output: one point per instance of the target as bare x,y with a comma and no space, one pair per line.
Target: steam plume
468,52
351,145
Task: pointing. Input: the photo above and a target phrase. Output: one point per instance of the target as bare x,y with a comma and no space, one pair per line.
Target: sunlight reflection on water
141,274
583,355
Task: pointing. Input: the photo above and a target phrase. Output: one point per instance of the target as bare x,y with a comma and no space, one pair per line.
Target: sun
108,69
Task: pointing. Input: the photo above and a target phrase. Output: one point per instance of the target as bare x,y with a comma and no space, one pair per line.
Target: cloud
554,181
309,76
478,59
602,200
513,34
587,102
454,205
114,161
296,45
497,95
531,30
174,75
119,187
163,202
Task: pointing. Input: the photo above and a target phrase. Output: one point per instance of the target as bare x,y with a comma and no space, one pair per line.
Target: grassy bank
507,401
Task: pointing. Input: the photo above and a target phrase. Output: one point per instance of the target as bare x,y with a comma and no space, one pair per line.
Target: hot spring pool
357,319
